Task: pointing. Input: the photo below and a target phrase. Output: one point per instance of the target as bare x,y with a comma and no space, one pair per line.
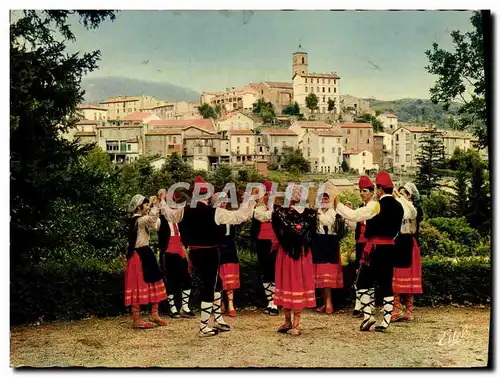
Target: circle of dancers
297,248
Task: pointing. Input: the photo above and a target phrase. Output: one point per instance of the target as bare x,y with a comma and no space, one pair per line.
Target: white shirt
367,212
326,218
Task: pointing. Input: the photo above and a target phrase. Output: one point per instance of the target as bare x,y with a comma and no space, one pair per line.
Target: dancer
366,190
407,281
200,232
143,279
326,254
173,260
383,223
265,243
229,271
294,227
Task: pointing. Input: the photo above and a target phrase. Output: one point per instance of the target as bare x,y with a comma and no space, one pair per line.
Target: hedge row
90,288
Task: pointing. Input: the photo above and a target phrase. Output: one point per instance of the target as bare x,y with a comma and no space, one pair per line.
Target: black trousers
267,260
380,270
205,263
359,252
177,277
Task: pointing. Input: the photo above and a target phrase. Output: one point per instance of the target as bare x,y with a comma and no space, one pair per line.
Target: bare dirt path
439,337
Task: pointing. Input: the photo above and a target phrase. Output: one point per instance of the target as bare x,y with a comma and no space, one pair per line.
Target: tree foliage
312,102
44,92
461,77
265,110
295,162
293,110
331,104
431,161
207,111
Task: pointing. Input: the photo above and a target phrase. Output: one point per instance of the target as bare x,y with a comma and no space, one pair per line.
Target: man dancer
201,233
383,223
366,190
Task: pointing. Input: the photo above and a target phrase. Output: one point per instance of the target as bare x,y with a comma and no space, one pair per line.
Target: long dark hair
132,230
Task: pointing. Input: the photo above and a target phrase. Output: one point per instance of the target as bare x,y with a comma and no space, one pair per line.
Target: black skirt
404,250
150,268
325,249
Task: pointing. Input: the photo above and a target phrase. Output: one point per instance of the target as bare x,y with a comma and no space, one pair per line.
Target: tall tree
265,110
293,110
461,77
331,104
295,162
207,111
312,102
45,88
431,161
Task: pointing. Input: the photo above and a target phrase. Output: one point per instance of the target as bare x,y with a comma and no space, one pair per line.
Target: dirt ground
439,337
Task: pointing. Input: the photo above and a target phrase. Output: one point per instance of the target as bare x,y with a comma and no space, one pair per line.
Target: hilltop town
256,125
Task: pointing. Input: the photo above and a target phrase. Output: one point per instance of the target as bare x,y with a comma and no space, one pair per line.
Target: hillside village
340,128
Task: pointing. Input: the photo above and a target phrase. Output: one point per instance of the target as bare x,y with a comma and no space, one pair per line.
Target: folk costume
359,235
201,233
294,228
265,244
143,279
174,263
383,223
326,256
407,280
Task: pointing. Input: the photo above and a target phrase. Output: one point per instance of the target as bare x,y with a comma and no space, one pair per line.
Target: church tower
299,61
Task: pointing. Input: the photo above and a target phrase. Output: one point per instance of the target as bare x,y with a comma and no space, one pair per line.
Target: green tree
431,161
295,162
312,102
207,111
178,170
377,125
293,110
265,110
221,175
331,104
461,189
345,166
45,88
461,77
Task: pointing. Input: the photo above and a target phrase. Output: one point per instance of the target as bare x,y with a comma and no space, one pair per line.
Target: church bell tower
299,61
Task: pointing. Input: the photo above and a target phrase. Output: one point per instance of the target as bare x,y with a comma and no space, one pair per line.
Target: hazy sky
376,53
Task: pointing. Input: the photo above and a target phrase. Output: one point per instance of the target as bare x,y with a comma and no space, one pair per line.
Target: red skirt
328,275
294,281
409,280
230,276
137,291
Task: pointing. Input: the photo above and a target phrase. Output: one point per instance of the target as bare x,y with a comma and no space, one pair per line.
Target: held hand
348,204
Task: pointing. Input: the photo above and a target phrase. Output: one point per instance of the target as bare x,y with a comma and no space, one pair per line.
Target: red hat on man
268,185
199,180
384,180
365,182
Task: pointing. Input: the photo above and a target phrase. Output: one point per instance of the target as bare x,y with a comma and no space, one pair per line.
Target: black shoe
366,324
266,310
175,315
380,328
222,326
357,314
209,333
187,314
273,311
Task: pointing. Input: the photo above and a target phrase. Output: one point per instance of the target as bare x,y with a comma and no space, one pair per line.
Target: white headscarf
412,189
136,201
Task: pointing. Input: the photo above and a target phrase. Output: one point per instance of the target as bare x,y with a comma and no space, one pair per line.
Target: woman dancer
407,282
229,270
294,227
326,255
143,279
173,260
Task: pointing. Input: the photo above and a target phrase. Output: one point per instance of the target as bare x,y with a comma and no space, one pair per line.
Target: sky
378,54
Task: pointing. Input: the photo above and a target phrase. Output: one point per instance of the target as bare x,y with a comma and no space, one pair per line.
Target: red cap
384,180
268,185
365,182
203,189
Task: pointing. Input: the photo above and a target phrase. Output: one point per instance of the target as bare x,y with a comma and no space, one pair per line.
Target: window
247,140
408,137
323,98
95,116
303,60
333,149
317,81
323,89
308,140
397,137
348,132
364,154
323,159
346,140
118,111
408,147
260,149
237,139
407,158
367,141
360,132
306,89
258,139
328,81
214,150
200,148
397,158
306,83
248,150
129,109
175,139
328,90
323,81
129,147
322,149
322,140
334,82
340,151
100,133
335,90
415,137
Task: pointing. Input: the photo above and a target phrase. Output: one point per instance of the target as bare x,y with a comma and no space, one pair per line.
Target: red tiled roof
164,132
279,131
134,140
240,132
417,129
276,84
230,115
355,125
204,124
138,116
329,133
121,99
319,75
312,124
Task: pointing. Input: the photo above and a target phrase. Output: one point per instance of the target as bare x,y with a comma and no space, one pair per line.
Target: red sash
266,232
374,241
362,238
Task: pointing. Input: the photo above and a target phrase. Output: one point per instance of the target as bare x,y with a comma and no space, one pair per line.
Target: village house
235,121
119,107
406,142
361,161
354,106
164,142
323,149
357,136
204,124
247,146
85,131
280,141
93,112
203,149
300,127
231,100
122,143
455,139
389,121
280,94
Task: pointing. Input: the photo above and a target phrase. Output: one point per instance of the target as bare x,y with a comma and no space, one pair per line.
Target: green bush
78,289
458,230
434,243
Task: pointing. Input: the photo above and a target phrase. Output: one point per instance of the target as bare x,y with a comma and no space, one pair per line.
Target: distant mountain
101,88
415,110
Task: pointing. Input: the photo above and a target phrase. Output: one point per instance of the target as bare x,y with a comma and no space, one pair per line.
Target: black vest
198,226
388,222
357,232
232,230
163,234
